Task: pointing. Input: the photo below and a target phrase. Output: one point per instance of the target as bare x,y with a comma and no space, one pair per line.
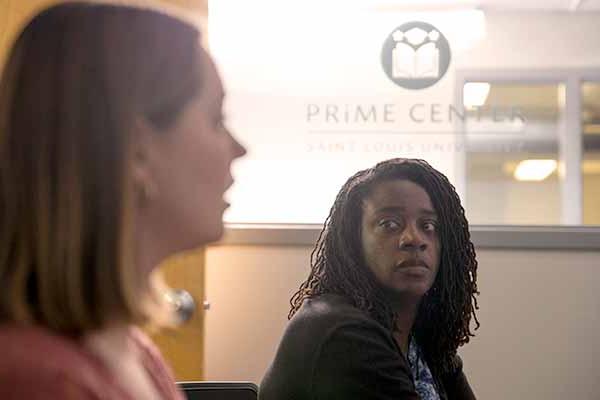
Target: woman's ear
144,158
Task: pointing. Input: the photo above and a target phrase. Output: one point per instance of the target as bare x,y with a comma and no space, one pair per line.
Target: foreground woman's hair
75,79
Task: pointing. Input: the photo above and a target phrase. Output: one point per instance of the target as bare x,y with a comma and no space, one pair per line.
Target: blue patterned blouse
424,383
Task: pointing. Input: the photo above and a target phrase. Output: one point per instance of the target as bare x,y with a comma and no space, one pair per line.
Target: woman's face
190,169
400,239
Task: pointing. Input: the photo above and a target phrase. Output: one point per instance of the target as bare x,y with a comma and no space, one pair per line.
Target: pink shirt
37,364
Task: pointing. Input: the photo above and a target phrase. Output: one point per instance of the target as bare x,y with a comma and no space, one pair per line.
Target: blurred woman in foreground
113,156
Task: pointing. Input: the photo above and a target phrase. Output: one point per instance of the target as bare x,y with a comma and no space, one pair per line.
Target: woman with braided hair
389,298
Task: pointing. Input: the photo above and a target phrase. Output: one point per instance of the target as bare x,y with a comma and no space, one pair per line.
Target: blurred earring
144,193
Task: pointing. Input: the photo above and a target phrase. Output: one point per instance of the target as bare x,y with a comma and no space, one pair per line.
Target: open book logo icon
416,55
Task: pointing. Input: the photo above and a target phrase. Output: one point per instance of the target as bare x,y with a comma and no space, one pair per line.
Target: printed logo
416,55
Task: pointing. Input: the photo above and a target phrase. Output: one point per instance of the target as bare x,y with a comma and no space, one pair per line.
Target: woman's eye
220,123
389,225
430,226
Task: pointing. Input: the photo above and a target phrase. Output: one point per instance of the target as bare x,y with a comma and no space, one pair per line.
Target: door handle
184,304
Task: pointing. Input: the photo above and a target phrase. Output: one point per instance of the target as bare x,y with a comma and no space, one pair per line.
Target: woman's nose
412,240
238,149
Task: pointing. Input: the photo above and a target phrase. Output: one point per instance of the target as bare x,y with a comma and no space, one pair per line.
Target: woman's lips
412,263
415,269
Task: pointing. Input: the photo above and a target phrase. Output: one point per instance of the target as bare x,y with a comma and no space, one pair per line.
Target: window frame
570,140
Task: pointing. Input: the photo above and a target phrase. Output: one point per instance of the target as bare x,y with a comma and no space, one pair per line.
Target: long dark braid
337,263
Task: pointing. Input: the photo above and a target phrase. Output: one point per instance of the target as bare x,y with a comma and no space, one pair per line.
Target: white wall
540,316
537,40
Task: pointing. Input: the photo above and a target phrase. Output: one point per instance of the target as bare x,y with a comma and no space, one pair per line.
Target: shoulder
145,344
321,318
328,339
44,384
348,333
358,358
327,313
36,362
152,356
155,363
331,318
455,382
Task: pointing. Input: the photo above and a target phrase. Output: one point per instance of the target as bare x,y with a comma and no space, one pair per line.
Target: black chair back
219,390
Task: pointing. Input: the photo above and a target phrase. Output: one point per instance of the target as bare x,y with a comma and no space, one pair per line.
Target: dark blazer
331,350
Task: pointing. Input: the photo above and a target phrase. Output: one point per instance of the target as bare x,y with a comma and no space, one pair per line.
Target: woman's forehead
212,84
398,192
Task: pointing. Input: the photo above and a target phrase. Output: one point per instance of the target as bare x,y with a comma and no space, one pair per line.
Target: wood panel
184,347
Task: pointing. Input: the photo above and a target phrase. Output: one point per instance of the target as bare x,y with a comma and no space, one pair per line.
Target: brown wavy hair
75,80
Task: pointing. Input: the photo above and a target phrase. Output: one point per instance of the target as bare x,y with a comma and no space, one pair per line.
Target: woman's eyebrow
400,209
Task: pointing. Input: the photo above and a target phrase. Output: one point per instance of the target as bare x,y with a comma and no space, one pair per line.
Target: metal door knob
184,304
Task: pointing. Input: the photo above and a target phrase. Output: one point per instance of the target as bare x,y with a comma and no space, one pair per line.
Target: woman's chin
217,235
194,240
406,291
212,233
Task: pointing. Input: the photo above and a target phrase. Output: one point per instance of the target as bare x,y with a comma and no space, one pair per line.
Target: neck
110,341
149,251
406,313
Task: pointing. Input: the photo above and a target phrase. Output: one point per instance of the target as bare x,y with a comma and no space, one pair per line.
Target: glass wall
512,157
364,83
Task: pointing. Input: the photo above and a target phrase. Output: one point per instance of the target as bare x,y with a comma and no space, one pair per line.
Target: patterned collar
424,383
